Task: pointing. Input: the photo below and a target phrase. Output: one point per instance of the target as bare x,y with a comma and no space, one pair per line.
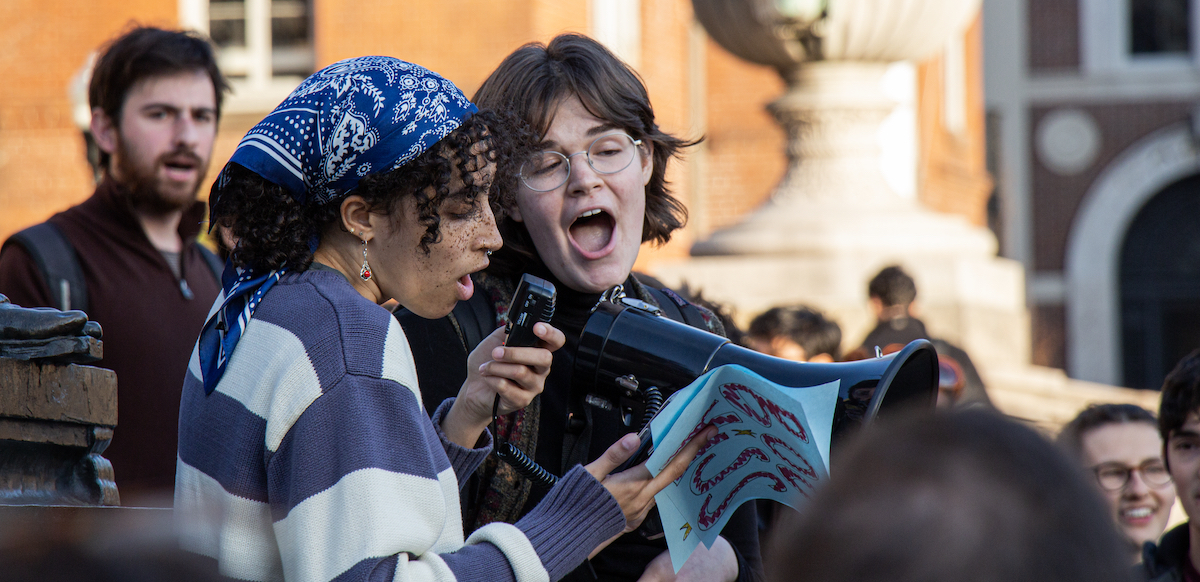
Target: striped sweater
313,460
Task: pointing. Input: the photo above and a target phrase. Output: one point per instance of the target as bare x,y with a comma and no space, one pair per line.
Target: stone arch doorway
1160,284
1096,239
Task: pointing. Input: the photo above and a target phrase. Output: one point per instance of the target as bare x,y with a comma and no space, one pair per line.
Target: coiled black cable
654,401
509,453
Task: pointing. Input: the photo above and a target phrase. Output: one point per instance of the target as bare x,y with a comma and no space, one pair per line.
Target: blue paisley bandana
354,118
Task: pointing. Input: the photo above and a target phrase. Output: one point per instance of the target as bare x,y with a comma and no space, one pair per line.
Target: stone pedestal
55,421
844,210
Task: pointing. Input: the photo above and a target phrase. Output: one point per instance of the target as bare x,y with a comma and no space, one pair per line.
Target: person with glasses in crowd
587,200
1120,446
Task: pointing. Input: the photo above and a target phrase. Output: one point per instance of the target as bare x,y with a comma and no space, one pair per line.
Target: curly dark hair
535,78
274,230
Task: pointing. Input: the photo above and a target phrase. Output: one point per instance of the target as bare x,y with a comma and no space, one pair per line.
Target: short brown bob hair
534,79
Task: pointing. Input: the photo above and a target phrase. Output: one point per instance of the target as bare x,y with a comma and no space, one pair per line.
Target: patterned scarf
354,118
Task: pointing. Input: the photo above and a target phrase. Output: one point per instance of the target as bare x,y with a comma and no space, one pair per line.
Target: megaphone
627,345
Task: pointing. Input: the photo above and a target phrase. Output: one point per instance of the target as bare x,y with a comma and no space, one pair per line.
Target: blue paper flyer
772,443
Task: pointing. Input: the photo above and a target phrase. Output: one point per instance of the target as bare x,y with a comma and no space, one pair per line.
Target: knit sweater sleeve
313,460
464,460
358,492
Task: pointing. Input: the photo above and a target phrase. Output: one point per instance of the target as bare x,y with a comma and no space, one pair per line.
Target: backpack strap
676,307
55,257
475,318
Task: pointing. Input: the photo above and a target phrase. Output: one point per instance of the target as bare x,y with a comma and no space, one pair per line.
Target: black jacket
1167,561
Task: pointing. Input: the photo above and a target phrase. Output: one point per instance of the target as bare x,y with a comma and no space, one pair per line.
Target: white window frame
1105,41
954,86
617,24
259,90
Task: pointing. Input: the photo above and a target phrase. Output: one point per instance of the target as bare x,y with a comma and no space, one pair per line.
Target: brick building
1094,107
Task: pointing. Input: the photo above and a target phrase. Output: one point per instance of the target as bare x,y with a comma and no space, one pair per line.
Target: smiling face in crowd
1140,508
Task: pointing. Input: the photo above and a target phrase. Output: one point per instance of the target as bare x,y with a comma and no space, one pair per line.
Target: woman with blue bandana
304,449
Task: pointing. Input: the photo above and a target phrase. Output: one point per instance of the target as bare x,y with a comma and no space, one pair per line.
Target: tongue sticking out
593,233
466,288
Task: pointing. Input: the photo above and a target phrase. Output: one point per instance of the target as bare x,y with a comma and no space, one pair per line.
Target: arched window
1160,284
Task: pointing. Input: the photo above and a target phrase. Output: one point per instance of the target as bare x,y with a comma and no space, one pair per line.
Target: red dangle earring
365,272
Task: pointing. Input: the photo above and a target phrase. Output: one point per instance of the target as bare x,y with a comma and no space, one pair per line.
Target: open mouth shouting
592,233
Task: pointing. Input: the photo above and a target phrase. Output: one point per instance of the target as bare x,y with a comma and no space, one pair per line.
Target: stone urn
847,205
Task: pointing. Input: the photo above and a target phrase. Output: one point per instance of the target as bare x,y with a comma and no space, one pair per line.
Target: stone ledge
1048,399
72,393
49,432
60,350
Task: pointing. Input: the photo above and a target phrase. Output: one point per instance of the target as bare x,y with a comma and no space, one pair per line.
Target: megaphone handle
654,402
643,452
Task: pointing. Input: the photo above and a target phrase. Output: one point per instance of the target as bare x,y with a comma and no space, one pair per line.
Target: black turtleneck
570,432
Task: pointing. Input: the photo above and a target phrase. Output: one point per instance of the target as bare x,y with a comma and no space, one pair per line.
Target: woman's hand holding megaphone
635,488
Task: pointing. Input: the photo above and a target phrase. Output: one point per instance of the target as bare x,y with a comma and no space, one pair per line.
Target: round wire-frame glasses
608,154
1114,477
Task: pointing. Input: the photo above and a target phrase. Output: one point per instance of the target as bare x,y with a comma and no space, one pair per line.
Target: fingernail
630,443
498,353
482,366
539,328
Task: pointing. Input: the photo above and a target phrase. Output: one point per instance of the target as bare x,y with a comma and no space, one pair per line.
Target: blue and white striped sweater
314,461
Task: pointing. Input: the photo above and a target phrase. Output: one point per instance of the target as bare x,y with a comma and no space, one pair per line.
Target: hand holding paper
635,488
773,443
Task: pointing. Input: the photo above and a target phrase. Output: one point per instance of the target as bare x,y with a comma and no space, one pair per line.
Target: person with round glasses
547,170
585,202
1120,445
